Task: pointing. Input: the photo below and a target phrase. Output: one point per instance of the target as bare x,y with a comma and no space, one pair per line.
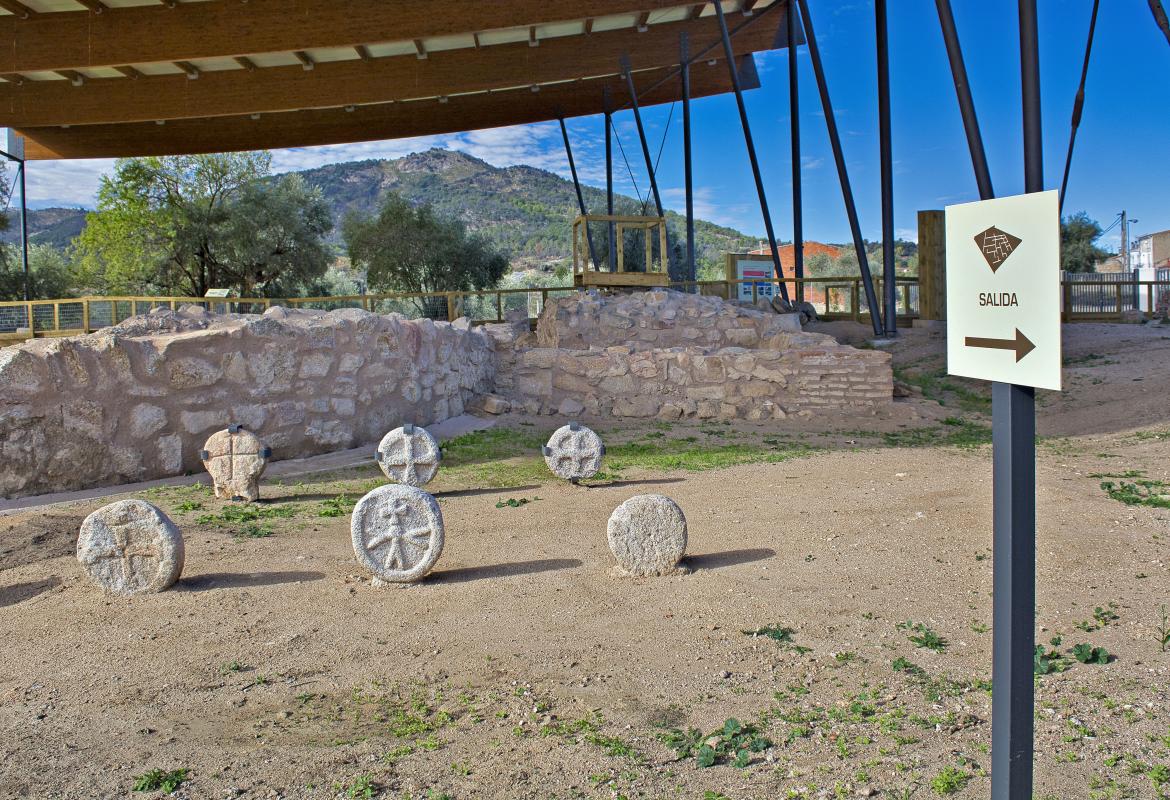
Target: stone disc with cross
574,452
397,533
130,547
235,459
409,455
648,535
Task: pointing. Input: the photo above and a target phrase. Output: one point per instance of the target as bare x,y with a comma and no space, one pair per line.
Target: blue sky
1120,157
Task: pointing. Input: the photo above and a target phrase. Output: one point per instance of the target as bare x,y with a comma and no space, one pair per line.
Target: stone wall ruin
137,401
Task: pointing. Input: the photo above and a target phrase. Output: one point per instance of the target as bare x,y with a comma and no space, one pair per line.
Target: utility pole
1125,240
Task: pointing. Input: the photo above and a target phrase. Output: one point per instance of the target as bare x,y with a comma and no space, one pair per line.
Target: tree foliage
186,224
407,248
1078,249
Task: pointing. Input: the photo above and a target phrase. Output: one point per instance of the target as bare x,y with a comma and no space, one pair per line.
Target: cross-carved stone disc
648,535
574,452
130,547
397,533
235,459
410,458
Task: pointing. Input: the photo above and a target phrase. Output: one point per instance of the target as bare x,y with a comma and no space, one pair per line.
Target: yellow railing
833,297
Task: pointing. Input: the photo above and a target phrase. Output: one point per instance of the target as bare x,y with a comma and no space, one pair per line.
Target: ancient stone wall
671,355
799,374
138,401
656,319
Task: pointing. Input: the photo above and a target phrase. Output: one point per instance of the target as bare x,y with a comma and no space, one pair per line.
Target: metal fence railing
834,298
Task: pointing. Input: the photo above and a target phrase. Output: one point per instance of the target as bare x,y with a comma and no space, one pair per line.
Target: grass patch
938,386
336,506
161,780
954,432
668,454
1138,491
922,636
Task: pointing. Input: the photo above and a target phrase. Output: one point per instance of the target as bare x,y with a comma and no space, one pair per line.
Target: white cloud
708,206
65,183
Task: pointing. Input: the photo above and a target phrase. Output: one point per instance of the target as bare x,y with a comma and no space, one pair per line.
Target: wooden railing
833,297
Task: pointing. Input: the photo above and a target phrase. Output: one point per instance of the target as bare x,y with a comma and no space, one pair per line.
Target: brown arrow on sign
1021,344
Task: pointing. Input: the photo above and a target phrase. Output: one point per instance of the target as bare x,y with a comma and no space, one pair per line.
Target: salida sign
1003,290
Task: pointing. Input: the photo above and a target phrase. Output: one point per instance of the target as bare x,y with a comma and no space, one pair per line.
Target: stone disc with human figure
397,533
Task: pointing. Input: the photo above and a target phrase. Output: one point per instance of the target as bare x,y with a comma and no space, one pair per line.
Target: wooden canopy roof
102,78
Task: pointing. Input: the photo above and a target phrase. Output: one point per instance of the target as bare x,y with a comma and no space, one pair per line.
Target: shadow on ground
244,580
511,569
495,490
18,593
729,558
642,482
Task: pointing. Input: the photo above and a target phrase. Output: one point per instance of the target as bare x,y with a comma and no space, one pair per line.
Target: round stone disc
410,458
130,547
648,535
235,459
397,533
574,452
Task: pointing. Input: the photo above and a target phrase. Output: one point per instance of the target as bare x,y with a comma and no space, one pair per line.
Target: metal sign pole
1014,472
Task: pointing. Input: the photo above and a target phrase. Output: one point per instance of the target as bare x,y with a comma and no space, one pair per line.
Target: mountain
55,226
525,212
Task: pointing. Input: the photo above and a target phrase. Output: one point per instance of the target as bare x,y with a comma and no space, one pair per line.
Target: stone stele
648,535
574,452
397,533
131,547
235,459
409,455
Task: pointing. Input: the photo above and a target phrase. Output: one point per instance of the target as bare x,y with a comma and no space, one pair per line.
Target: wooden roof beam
129,72
17,9
643,22
246,63
193,72
307,62
73,76
370,123
363,52
96,6
355,82
697,11
748,6
147,34
420,49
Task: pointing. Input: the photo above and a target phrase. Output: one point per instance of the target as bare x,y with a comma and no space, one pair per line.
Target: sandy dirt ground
523,668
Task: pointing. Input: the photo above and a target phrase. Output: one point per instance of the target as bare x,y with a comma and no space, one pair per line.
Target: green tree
186,224
405,248
1078,251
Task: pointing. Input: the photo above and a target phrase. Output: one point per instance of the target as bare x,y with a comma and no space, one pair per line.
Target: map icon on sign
996,246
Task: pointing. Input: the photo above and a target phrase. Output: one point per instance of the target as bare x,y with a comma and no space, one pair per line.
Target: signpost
1003,319
1003,290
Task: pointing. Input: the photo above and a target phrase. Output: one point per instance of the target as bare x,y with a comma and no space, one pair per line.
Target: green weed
780,634
515,502
335,506
922,636
1087,654
161,780
1139,491
949,780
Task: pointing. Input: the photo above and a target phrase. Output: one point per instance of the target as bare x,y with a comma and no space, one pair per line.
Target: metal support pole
688,178
24,235
642,133
729,54
794,126
842,174
645,147
1078,103
1014,468
889,274
577,186
946,20
609,181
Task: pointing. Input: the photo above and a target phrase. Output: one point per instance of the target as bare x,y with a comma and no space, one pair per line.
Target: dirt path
524,669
